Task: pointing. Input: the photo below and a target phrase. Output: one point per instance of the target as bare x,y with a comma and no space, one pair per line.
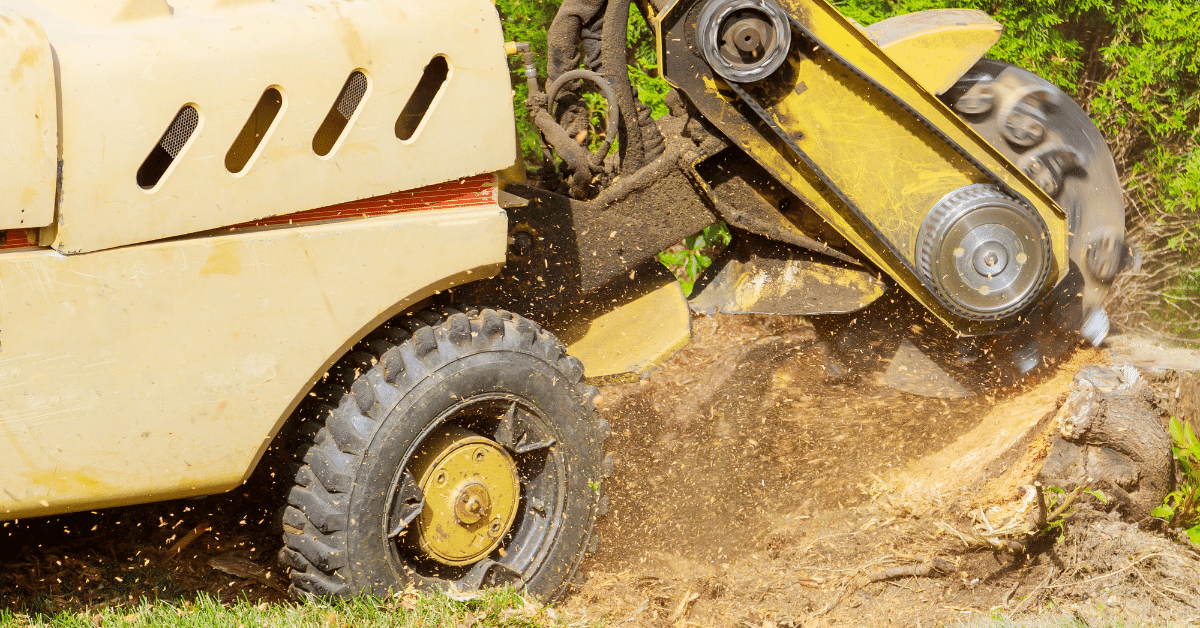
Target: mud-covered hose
578,22
565,33
613,64
639,143
577,158
581,21
582,163
613,114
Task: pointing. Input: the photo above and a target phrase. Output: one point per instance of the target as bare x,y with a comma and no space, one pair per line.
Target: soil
750,488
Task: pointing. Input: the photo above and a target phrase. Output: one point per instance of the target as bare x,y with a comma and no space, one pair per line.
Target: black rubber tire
420,372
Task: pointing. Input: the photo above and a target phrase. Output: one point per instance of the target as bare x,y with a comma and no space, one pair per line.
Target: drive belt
789,139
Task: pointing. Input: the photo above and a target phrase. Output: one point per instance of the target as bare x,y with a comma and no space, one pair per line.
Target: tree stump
1112,436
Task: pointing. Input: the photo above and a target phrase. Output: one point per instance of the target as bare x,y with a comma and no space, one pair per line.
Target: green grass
495,608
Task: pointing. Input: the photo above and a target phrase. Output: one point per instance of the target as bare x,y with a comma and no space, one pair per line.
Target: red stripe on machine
17,239
466,192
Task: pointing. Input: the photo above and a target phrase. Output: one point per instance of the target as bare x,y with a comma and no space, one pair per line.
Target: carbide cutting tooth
1095,327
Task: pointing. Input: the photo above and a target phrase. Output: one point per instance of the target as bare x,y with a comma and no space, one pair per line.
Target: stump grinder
295,236
850,163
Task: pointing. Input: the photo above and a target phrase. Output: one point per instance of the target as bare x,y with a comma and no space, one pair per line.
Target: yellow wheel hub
471,491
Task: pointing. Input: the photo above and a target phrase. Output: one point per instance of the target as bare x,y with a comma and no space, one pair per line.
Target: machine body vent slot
414,112
337,121
169,147
254,133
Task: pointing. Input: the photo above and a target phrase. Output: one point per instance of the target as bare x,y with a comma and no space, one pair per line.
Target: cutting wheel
1040,129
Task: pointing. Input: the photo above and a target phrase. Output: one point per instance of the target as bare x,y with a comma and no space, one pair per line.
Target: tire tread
397,357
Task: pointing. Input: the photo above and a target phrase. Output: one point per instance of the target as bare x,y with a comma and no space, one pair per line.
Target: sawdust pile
753,491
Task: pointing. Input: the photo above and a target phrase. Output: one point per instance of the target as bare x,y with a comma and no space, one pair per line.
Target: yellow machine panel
165,369
28,124
204,113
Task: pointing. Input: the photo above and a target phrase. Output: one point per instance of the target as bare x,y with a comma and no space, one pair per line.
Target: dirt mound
742,428
1111,564
752,490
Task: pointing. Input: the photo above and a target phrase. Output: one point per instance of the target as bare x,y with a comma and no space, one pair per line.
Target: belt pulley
986,254
744,41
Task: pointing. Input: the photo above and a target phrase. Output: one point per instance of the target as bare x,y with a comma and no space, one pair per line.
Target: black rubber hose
613,109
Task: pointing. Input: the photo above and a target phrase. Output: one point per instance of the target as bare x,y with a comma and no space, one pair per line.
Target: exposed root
1034,595
1101,577
937,566
992,541
931,568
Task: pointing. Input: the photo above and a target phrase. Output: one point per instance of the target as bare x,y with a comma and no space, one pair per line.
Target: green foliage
1181,508
1098,494
1058,505
1153,43
526,21
597,120
1055,497
690,259
1150,102
643,73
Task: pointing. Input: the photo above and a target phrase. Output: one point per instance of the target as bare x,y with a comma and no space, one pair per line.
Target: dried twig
855,582
684,604
1034,594
841,594
175,550
1107,575
933,567
1008,596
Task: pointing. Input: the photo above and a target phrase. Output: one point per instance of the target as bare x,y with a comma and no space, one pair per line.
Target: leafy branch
1181,508
690,259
